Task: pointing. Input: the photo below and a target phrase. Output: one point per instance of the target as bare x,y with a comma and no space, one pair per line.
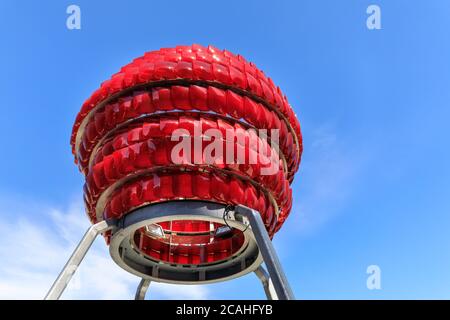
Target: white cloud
35,246
326,178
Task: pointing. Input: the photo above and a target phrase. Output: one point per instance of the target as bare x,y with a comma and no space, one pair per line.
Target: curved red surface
122,142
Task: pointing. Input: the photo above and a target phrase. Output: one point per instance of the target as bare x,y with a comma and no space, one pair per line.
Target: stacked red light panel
122,142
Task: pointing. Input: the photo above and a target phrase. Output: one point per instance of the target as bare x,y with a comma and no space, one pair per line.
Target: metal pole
75,259
142,289
279,280
263,276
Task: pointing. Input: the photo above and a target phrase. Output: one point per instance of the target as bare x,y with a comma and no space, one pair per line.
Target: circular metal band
246,260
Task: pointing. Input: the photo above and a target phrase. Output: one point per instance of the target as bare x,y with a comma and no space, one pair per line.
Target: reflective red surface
123,142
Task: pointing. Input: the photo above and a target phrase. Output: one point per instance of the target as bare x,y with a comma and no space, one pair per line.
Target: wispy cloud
34,246
326,179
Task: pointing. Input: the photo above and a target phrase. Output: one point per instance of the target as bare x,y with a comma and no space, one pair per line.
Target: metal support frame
142,289
75,259
277,276
264,277
274,281
125,254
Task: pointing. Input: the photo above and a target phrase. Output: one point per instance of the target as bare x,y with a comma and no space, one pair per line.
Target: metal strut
263,276
142,289
277,277
75,259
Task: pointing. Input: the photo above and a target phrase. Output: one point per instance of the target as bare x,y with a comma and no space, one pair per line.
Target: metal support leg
142,289
277,276
263,276
74,261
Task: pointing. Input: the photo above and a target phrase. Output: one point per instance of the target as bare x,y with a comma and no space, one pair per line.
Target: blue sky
373,187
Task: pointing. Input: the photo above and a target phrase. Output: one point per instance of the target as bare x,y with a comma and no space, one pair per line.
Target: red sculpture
125,136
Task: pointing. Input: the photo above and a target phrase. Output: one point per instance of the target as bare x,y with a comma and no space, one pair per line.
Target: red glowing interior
188,241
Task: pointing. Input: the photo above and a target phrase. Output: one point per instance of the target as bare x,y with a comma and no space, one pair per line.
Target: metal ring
246,260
